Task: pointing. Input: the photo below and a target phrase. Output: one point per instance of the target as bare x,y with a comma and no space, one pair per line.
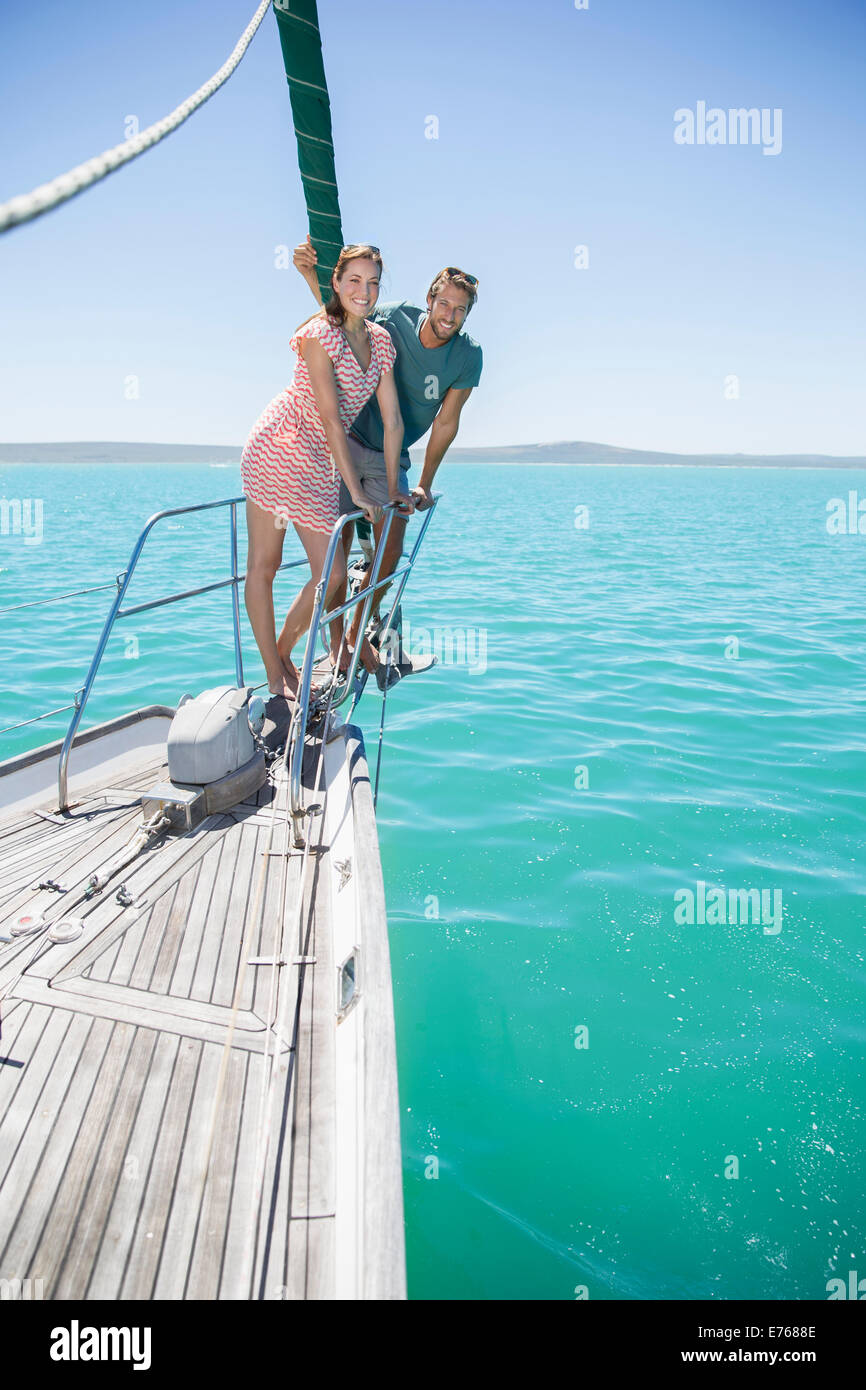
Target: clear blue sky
555,130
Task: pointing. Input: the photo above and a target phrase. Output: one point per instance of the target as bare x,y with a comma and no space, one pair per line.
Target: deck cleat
27,924
66,929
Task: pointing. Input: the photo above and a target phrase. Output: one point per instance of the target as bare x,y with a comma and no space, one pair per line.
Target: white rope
29,205
282,999
275,1020
254,920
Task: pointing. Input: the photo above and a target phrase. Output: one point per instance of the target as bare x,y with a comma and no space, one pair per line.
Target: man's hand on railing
372,510
422,498
405,505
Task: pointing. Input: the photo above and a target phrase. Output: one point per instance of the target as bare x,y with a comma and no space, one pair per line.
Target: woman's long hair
357,251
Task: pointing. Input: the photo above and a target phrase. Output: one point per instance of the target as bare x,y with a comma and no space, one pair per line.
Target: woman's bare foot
367,656
284,681
288,683
344,655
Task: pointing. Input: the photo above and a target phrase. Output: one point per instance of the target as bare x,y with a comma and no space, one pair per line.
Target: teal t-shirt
422,376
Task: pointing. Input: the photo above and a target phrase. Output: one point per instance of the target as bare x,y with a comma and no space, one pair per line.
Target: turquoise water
673,694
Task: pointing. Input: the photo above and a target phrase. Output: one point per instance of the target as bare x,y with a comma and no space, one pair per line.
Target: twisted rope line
26,206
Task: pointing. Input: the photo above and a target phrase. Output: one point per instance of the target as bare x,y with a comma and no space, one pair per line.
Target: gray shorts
373,474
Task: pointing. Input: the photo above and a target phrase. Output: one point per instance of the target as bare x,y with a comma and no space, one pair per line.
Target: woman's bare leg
298,618
264,557
342,642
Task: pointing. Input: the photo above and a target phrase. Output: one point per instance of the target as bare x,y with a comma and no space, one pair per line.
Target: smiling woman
290,461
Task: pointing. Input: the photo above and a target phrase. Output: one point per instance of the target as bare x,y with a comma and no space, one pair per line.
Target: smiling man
437,367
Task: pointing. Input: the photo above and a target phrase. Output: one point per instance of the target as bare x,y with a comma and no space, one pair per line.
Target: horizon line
490,448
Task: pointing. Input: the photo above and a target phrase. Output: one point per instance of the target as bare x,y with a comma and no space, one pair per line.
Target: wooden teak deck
181,1115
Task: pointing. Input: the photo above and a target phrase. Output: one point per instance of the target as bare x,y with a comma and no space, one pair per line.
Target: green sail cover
301,43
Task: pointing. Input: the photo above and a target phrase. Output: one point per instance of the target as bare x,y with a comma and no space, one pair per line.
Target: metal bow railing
320,619
117,611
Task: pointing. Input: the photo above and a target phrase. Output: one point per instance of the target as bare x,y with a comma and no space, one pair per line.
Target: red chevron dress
286,465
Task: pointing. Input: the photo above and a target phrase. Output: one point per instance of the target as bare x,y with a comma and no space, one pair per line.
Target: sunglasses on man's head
453,270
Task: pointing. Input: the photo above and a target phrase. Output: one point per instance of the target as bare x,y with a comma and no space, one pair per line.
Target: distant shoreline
567,453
